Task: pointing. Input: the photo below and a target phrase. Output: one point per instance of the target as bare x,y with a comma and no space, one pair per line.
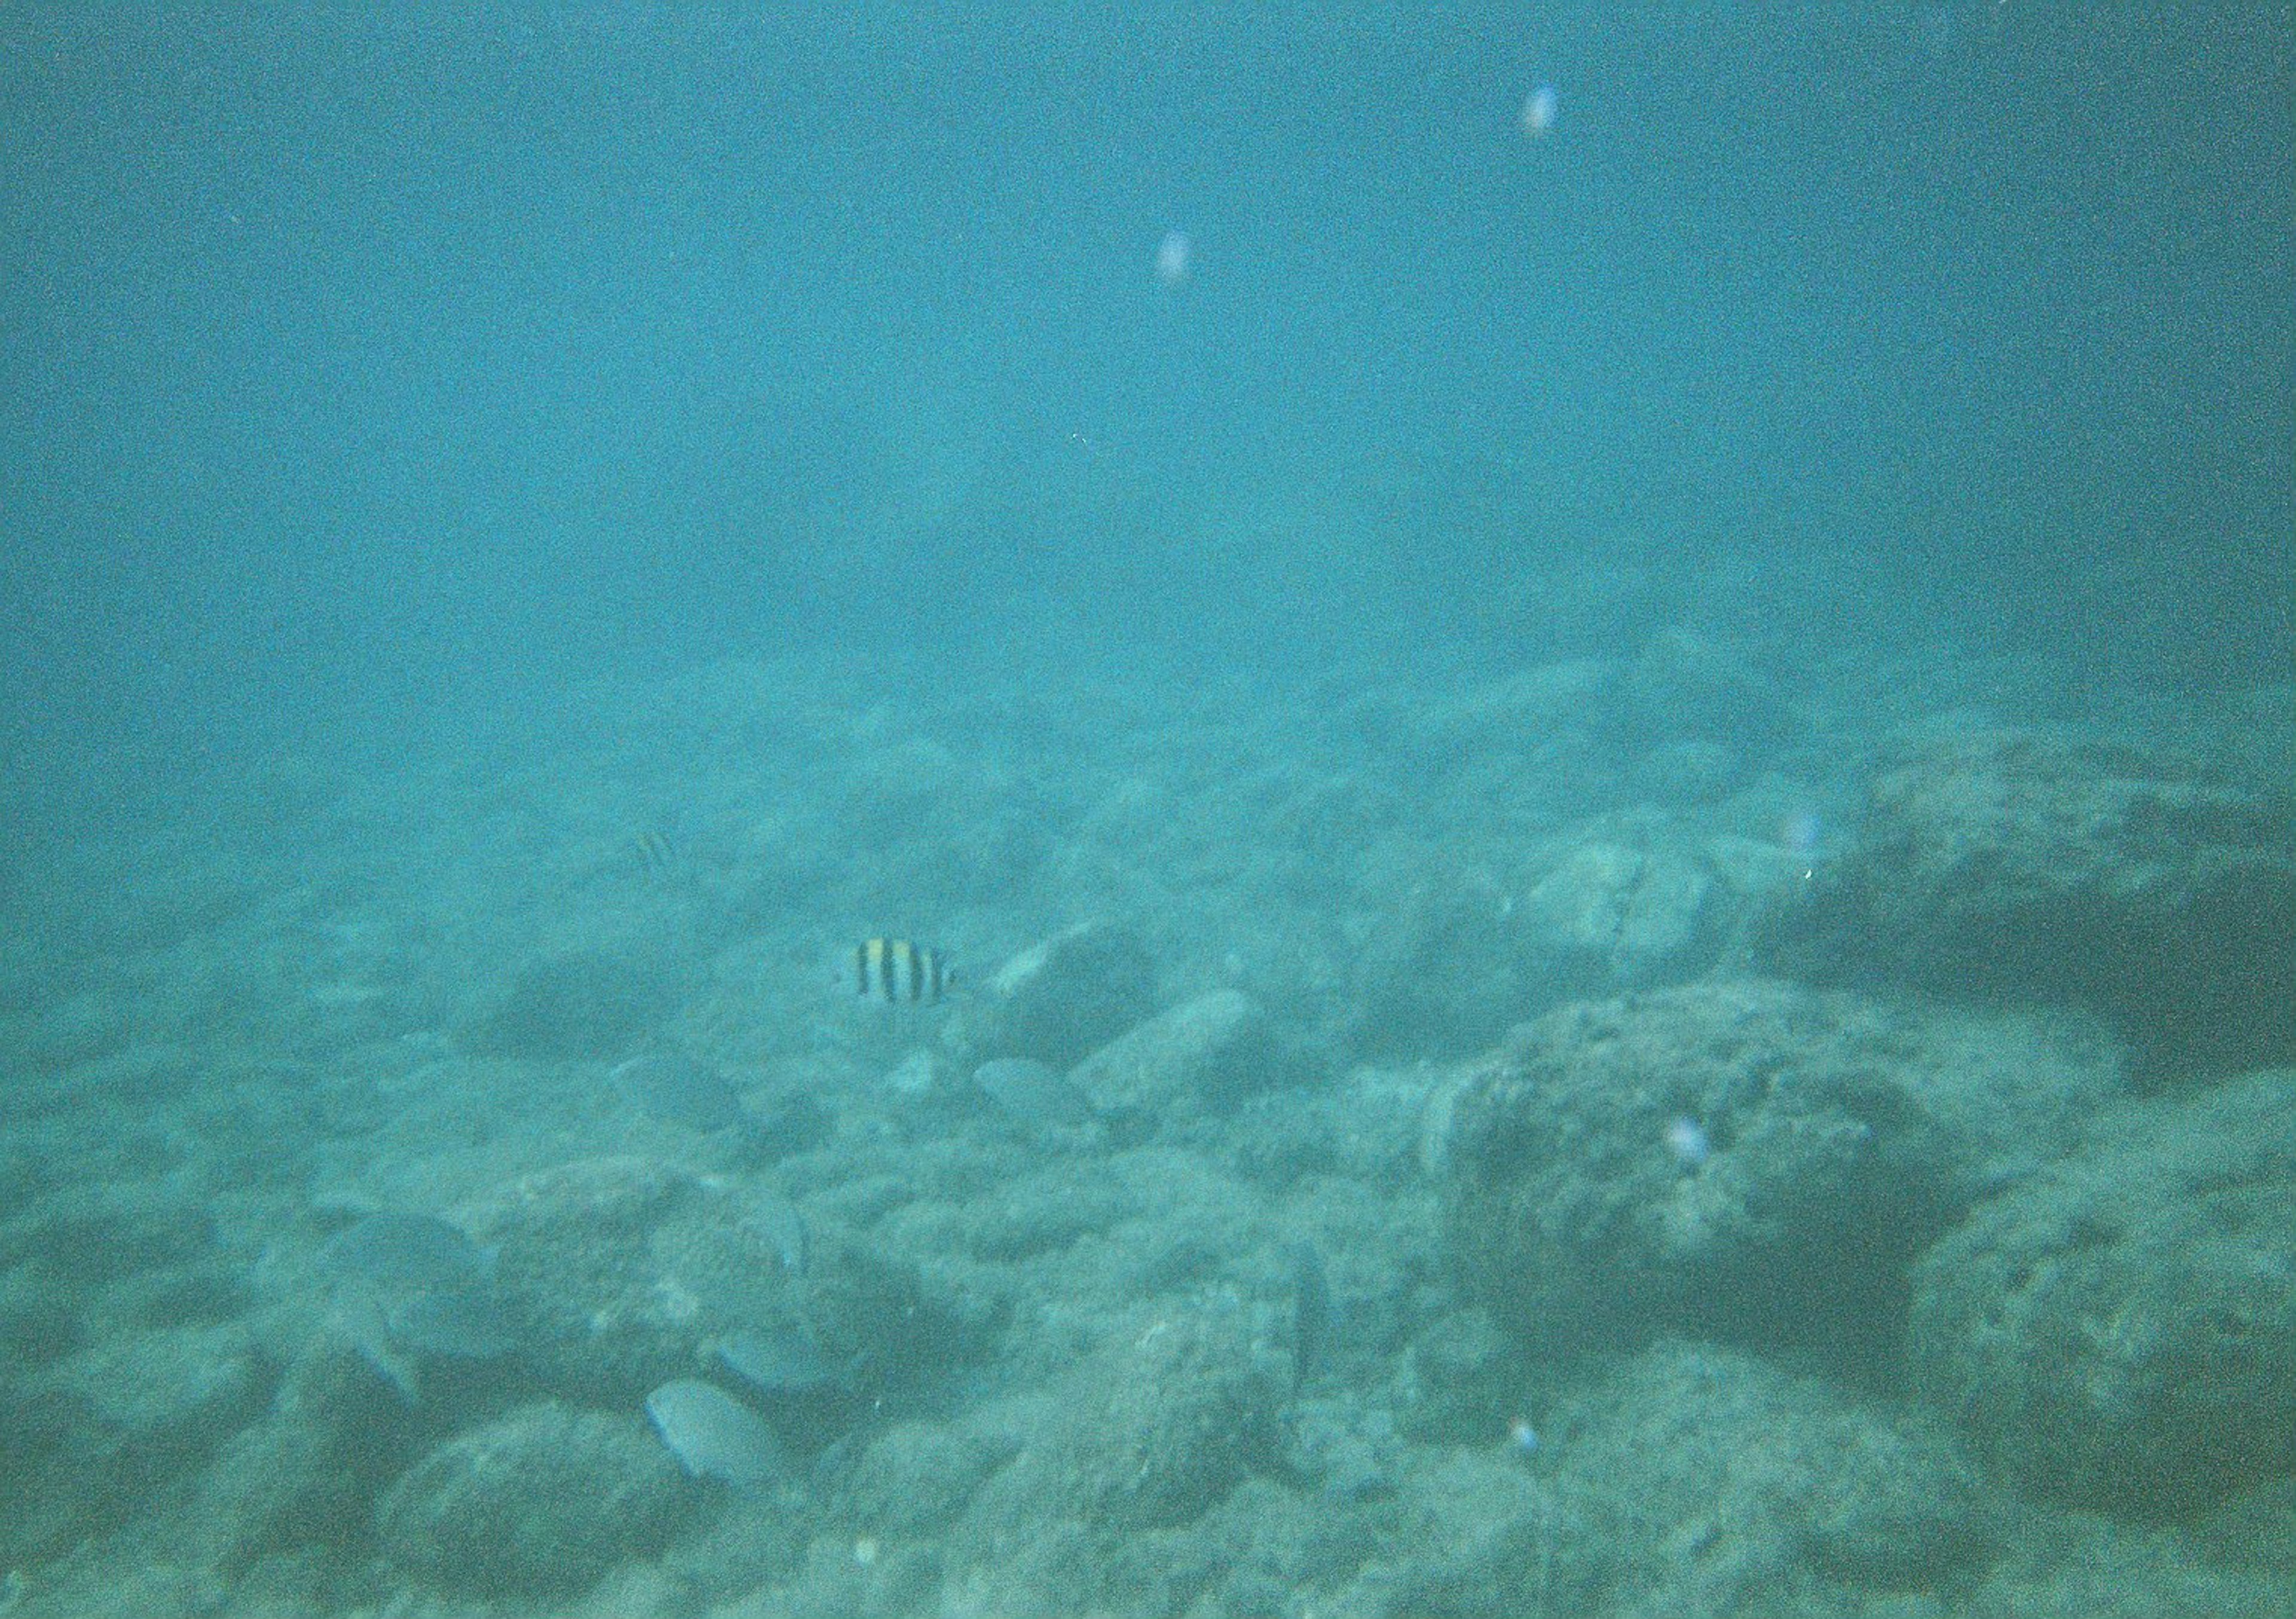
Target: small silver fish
784,1359
714,1436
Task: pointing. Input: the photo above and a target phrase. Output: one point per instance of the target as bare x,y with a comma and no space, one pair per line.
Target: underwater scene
1002,811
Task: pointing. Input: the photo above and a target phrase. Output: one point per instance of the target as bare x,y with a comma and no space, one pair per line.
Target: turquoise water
1595,708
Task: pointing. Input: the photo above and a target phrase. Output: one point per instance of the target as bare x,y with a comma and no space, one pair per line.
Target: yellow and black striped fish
894,970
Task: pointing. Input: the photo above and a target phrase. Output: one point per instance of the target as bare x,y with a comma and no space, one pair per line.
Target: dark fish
463,1323
680,1089
396,1252
896,970
405,1285
1311,1314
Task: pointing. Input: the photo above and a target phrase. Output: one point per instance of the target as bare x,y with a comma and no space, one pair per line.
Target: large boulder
1686,1479
1751,1161
330,1441
2120,1331
631,1271
2011,861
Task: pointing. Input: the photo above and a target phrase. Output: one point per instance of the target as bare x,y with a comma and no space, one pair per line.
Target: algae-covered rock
1477,1532
1151,1432
915,1477
2009,861
87,1232
97,1438
1716,1476
2120,1331
158,1403
1474,947
1686,1480
1685,687
1466,1379
1751,1161
1410,998
1162,1425
1620,913
630,1269
539,1503
633,1273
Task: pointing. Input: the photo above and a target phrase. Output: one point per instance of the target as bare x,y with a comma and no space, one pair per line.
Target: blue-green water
1287,543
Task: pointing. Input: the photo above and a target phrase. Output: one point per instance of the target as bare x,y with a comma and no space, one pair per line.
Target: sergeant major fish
896,970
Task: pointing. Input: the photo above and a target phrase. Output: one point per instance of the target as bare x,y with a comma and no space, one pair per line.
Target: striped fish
894,970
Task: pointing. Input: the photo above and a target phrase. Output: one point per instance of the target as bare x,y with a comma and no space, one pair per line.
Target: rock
1607,905
1687,773
1683,688
1149,1433
633,1274
313,1462
1412,999
1059,999
2255,1529
39,1321
915,1477
582,1005
1465,1380
536,1505
1750,1161
629,1270
2096,1568
1341,1450
160,1403
86,1233
1476,1532
99,1437
1714,1477
1613,915
2120,1331
2010,861
1204,1055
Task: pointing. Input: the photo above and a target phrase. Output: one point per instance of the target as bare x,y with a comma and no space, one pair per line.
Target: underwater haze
1010,809
365,360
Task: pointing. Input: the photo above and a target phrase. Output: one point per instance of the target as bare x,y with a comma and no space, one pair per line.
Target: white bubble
1801,833
1538,111
1172,256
